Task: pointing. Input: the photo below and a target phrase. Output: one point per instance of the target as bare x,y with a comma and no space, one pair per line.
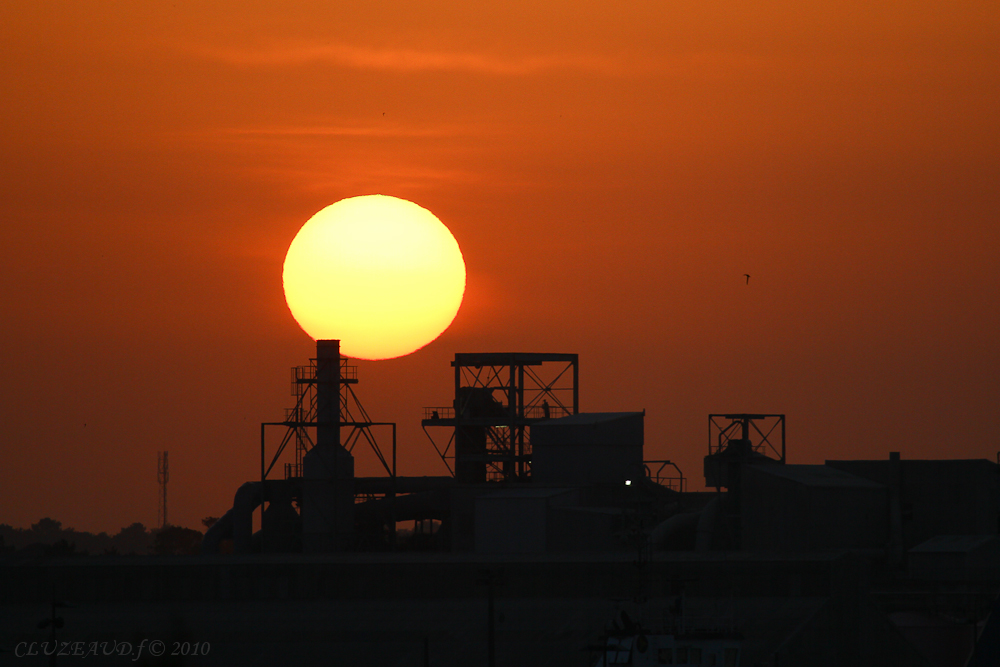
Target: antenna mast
162,476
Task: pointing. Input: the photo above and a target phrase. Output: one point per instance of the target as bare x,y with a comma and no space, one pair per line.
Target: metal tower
498,395
162,476
758,434
304,420
325,424
738,439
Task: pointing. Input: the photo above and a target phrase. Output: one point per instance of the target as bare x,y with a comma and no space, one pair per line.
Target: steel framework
761,431
671,478
162,476
497,398
301,422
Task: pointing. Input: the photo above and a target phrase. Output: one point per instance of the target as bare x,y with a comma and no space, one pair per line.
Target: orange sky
610,170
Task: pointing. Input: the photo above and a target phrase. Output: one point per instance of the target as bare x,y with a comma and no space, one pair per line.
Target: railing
765,433
439,413
546,412
675,482
530,412
307,375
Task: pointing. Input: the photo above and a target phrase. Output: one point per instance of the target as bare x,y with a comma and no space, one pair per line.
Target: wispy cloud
700,64
319,131
414,60
311,132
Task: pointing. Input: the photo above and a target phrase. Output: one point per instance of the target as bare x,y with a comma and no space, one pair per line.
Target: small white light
628,482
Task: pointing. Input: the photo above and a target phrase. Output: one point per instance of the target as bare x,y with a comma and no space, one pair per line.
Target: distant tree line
49,538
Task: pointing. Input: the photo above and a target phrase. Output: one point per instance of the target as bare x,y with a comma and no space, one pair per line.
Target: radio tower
162,476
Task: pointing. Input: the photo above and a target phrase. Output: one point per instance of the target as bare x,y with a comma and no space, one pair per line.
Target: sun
381,274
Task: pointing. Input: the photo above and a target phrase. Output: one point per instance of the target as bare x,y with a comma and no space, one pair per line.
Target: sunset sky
610,170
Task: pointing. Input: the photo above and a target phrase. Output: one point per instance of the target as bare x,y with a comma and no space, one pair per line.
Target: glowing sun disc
381,274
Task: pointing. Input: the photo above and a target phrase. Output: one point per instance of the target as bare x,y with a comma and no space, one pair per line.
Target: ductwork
220,530
246,501
704,521
237,523
666,529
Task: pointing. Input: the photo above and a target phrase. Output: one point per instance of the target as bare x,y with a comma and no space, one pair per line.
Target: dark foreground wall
387,610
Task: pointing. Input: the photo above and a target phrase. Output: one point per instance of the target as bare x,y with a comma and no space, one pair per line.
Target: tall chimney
327,392
327,468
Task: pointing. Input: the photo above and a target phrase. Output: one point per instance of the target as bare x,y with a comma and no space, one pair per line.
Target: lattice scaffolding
301,421
497,398
162,476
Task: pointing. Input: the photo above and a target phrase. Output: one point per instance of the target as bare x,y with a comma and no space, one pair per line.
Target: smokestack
328,468
327,392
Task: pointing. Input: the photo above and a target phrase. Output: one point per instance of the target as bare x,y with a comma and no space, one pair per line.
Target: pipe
665,529
434,504
246,501
403,485
220,530
704,519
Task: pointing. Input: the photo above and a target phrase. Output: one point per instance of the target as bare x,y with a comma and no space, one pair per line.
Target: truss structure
497,398
302,421
765,433
666,474
162,476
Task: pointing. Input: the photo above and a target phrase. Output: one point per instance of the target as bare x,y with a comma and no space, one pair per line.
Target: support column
327,393
328,468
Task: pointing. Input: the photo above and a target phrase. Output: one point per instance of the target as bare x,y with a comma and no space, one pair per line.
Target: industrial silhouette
162,477
553,540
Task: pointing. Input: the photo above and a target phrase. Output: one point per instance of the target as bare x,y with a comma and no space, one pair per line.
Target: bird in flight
747,276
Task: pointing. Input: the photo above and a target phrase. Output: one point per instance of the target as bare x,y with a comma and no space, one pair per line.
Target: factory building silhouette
552,527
